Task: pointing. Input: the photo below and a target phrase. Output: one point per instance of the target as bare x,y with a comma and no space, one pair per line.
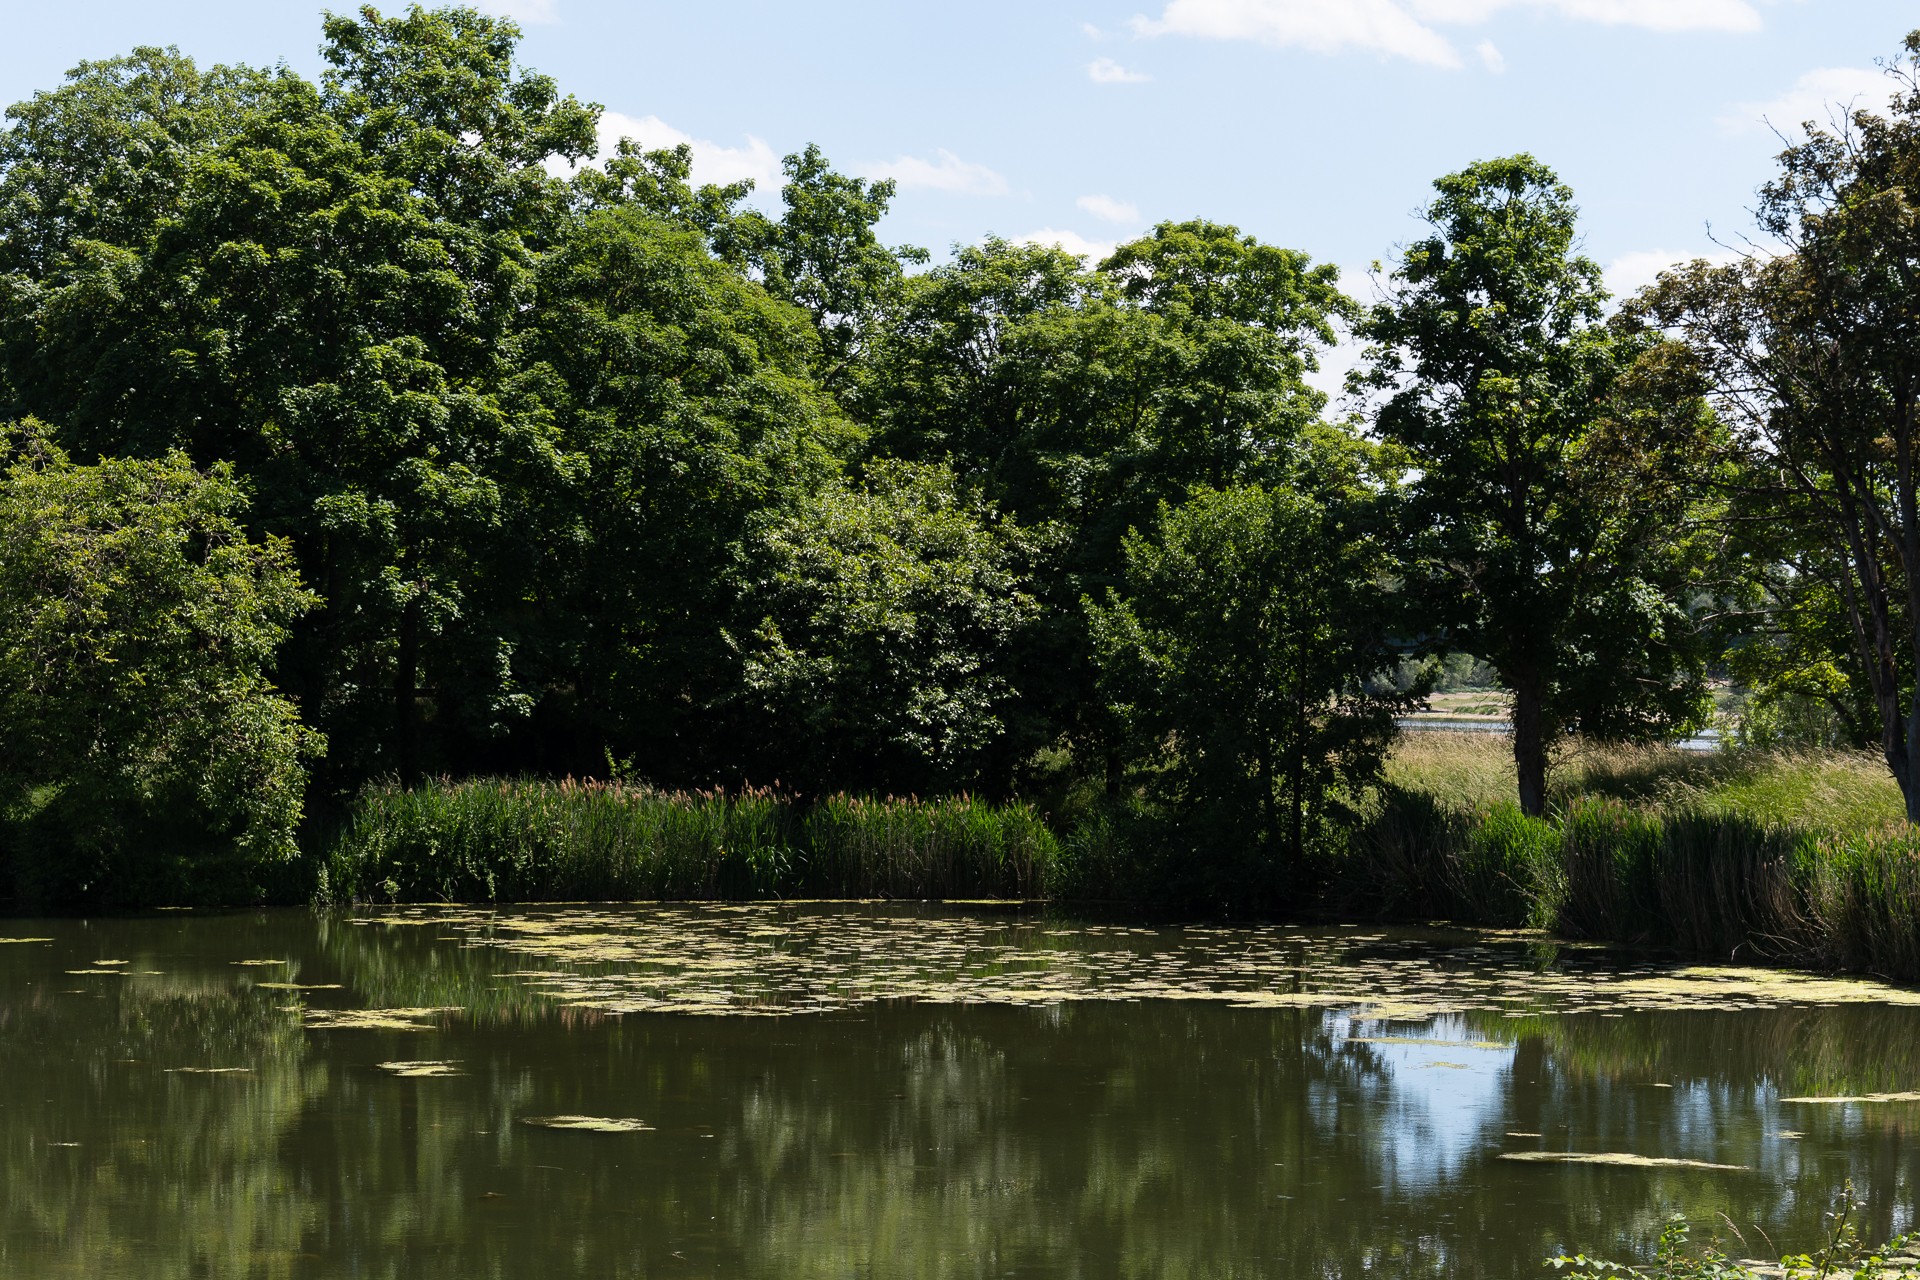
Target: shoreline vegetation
375,445
1797,859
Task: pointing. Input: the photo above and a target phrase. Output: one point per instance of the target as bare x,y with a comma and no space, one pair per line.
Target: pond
881,1090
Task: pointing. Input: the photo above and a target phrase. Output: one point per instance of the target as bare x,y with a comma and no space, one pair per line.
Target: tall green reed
495,840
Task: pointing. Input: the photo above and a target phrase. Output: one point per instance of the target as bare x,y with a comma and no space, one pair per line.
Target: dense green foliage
136,623
551,465
1560,464
1786,859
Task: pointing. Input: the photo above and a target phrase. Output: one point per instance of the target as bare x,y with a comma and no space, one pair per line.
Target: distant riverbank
1792,859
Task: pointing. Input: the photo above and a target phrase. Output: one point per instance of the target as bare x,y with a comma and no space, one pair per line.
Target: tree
1239,654
822,255
1559,463
137,722
324,285
881,613
1810,353
685,393
1078,401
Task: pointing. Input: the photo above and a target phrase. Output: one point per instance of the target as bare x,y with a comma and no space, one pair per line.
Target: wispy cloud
1107,209
1490,57
712,161
1822,96
1381,26
1107,71
1631,272
1407,29
946,172
1072,241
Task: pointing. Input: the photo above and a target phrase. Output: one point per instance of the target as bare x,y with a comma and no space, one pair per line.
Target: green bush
144,754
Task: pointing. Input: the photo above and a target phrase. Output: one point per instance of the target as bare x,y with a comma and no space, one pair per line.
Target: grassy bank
523,841
1800,859
1788,859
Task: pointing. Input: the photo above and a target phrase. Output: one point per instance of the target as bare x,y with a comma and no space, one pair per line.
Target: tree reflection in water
1162,1138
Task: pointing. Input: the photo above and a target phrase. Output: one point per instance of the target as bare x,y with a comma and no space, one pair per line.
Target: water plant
1843,1256
502,840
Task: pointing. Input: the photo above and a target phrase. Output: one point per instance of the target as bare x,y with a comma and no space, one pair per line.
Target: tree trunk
1530,744
406,692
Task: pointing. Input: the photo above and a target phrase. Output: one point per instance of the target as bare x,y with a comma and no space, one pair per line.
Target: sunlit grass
1816,790
1795,857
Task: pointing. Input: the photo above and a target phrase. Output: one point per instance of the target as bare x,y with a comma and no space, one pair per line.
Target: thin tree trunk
1530,744
406,692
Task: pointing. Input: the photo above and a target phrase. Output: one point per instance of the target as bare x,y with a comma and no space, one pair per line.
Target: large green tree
137,723
323,284
1077,400
1811,353
1242,651
880,616
684,392
1558,459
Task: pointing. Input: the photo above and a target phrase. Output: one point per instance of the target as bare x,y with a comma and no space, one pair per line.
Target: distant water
889,1090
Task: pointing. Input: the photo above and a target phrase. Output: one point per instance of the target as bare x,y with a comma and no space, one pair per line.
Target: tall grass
1796,859
525,841
1789,858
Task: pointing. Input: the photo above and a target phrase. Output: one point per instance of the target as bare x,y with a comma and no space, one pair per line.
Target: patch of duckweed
1621,1158
783,959
258,962
588,1124
1860,1097
4,941
298,986
421,1070
209,1071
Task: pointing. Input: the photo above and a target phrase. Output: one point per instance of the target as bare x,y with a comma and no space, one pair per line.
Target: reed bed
1787,858
497,840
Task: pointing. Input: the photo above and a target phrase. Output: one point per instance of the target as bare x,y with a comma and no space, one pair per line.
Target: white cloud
1107,71
712,162
1406,28
1319,27
1107,209
1073,242
1822,95
531,12
1490,57
946,173
1631,272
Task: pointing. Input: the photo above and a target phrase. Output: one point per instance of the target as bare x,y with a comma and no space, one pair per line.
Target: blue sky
1316,124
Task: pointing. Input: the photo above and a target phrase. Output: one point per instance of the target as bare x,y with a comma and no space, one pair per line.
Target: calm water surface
880,1091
